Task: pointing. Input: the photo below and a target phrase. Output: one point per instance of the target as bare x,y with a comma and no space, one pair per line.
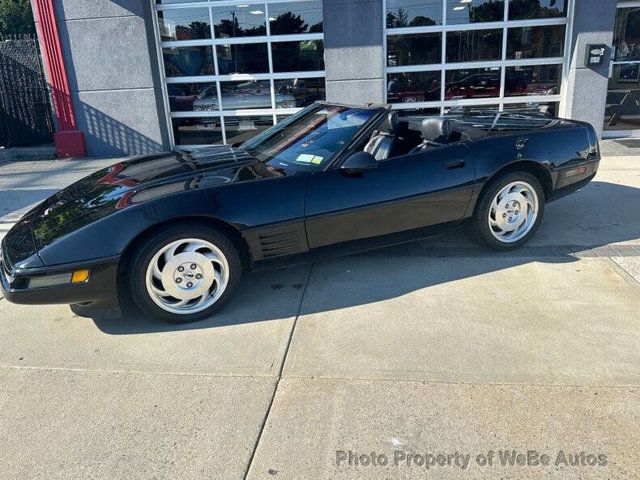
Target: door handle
450,164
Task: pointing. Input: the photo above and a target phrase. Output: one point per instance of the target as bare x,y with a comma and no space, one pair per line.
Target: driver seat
436,132
383,139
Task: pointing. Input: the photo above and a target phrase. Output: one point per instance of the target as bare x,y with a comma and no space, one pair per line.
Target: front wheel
509,212
184,273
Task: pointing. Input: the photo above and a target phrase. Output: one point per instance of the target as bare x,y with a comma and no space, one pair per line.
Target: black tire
147,249
478,228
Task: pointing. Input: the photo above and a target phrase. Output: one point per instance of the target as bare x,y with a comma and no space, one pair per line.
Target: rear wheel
184,273
509,212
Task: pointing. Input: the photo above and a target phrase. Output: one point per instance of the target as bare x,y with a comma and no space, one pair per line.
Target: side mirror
359,162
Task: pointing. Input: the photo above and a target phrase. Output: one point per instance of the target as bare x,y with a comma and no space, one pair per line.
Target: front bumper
99,292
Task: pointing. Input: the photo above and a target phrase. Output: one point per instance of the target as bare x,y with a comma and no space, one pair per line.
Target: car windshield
310,139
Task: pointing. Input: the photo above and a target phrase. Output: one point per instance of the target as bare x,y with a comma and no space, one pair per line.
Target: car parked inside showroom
175,231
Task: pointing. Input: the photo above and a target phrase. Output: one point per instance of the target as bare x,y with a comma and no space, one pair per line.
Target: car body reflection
241,96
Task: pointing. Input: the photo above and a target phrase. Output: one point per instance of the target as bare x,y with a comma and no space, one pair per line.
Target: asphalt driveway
409,362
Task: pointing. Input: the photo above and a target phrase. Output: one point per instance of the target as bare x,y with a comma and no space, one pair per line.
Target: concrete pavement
436,347
61,423
330,427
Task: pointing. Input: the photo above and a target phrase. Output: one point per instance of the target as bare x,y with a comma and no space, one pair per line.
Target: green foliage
487,12
194,30
288,22
16,17
523,9
400,18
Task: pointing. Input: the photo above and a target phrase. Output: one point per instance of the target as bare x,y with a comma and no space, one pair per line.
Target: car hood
132,182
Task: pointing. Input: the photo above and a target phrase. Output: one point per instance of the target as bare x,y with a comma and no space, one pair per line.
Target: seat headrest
390,124
436,130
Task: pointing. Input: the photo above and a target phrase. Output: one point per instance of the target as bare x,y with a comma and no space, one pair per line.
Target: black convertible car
175,230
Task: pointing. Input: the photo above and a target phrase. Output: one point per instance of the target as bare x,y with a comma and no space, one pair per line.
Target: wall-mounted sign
595,55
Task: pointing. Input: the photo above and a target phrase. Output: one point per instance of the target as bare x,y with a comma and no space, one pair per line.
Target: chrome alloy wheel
187,276
513,212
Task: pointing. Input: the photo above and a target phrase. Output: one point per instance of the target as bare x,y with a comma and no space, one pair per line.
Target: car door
402,193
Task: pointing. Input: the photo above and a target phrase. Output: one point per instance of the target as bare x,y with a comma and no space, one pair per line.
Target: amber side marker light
576,171
80,276
56,279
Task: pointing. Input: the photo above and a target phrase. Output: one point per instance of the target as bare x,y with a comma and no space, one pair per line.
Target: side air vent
282,243
271,242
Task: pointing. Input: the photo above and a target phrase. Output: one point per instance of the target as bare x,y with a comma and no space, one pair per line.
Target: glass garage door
622,113
461,54
231,69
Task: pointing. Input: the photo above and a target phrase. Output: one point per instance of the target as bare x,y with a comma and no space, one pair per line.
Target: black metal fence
25,109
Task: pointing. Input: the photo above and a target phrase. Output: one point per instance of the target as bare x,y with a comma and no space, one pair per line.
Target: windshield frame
338,156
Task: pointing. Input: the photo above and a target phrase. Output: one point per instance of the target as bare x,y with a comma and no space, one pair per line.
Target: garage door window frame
214,42
443,66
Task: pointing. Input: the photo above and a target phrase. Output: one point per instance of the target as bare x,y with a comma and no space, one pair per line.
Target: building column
353,55
69,141
113,74
586,87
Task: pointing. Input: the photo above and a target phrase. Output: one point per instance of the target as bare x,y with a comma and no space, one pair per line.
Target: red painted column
68,139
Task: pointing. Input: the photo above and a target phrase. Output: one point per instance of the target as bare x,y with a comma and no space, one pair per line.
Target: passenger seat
382,140
435,133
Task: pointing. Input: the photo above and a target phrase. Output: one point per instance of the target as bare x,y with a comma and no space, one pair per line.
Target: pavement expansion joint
443,382
134,372
280,371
